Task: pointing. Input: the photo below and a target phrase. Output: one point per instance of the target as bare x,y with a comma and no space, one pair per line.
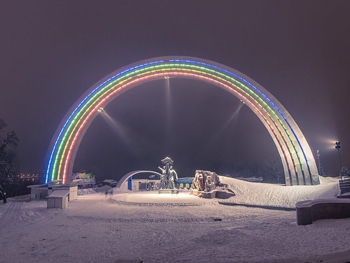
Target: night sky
51,52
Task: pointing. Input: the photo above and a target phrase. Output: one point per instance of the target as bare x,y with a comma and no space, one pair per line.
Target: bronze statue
169,175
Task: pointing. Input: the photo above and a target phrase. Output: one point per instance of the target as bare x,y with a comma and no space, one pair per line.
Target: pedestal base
219,193
168,191
203,194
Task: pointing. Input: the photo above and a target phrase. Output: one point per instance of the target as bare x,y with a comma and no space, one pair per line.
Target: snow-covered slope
129,227
277,195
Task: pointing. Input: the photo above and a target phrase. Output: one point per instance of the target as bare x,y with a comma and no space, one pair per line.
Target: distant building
110,182
29,178
84,180
153,184
185,182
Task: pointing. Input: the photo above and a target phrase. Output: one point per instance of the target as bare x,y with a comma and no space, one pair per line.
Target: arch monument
296,156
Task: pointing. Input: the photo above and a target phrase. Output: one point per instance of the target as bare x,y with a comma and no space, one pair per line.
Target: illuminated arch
128,175
296,156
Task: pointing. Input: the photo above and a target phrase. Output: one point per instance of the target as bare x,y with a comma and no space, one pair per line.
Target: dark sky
51,52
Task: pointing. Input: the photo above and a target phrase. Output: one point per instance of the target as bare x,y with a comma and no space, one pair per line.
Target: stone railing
309,211
344,186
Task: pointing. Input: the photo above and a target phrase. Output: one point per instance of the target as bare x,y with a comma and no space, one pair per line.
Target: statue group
169,175
207,184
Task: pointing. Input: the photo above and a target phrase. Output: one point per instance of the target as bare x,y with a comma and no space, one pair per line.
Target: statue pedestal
218,193
168,191
203,194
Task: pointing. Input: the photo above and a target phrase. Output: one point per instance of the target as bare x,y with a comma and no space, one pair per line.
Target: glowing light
337,145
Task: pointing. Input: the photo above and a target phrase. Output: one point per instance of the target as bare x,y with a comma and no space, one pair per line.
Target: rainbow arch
296,156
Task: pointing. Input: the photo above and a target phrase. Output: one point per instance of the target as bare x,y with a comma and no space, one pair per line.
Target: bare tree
8,157
275,170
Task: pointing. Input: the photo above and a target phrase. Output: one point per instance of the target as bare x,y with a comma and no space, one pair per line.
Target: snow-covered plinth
168,191
312,210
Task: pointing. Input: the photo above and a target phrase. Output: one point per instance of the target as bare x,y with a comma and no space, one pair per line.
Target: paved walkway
9,212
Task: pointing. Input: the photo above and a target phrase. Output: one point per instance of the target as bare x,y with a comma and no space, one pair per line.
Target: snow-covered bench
309,211
58,199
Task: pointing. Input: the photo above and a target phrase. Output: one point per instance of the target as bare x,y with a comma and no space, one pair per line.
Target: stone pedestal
168,191
222,194
203,194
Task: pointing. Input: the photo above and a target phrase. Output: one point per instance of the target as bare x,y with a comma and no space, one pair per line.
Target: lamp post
319,162
337,146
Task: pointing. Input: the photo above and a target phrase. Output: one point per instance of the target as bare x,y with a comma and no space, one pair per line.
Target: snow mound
262,194
246,193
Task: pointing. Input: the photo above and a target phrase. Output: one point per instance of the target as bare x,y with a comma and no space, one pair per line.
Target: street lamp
319,162
337,146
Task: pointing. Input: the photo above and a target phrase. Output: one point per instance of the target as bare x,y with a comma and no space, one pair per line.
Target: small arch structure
128,175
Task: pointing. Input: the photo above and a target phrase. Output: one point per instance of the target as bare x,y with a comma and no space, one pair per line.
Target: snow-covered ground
147,227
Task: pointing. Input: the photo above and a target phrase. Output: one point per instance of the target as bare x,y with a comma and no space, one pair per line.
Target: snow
148,227
277,196
59,193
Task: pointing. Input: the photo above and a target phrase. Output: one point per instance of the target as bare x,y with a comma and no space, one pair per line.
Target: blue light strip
87,97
